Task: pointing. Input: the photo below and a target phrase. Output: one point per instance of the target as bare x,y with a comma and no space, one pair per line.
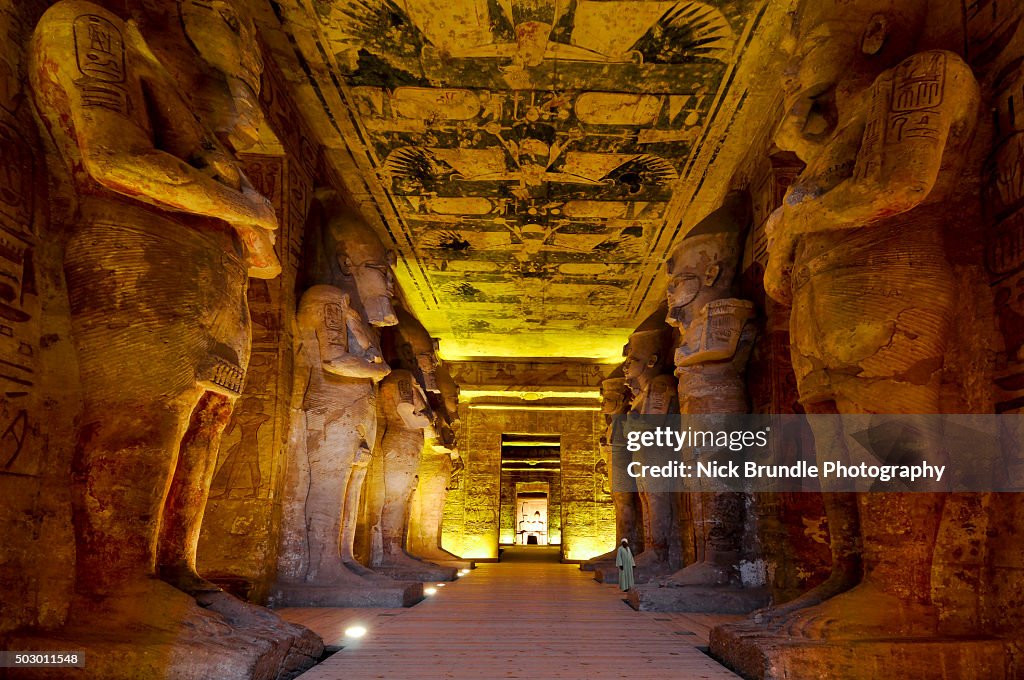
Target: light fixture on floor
355,632
441,585
429,591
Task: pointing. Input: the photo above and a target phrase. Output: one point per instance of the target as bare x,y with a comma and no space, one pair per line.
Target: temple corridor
516,620
539,338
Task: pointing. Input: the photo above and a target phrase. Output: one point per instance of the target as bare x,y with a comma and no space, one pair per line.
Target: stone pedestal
455,564
178,638
417,570
606,572
385,593
600,561
705,599
758,654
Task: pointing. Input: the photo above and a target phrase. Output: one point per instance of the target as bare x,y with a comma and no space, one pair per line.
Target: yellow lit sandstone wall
470,526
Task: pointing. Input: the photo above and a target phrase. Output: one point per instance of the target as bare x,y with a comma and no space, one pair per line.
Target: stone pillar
628,519
405,417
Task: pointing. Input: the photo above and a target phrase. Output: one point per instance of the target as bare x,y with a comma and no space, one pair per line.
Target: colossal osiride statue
406,415
435,472
628,516
717,335
427,509
164,233
337,368
857,248
648,376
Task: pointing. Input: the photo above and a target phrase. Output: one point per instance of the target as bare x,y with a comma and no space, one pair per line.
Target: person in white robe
624,561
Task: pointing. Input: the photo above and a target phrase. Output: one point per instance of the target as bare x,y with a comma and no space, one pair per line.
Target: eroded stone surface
167,230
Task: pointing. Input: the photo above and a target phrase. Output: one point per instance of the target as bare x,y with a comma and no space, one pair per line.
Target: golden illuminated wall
471,519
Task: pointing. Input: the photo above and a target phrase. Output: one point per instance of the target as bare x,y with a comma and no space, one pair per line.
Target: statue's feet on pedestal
650,567
863,634
443,558
835,584
866,612
698,574
147,603
150,629
364,571
401,565
346,588
700,587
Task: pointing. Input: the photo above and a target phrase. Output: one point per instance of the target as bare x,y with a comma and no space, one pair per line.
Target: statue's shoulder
94,29
931,80
323,293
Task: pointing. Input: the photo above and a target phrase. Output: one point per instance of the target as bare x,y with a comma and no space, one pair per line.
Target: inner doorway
530,493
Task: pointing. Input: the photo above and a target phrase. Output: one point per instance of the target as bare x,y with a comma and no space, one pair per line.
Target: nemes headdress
720,235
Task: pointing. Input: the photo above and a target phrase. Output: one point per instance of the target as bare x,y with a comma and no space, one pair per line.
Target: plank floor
515,620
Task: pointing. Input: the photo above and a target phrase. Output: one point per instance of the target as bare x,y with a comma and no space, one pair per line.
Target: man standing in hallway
624,561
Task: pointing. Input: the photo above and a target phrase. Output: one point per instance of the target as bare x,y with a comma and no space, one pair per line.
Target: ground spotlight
355,632
429,591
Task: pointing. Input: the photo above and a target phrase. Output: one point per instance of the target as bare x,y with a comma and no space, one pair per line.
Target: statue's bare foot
184,578
403,560
698,574
237,612
144,604
607,557
648,566
836,583
865,612
360,570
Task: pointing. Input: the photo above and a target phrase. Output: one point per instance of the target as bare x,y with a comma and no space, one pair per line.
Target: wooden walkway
515,620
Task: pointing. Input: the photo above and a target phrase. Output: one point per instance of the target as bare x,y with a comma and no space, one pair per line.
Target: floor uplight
429,591
441,585
355,632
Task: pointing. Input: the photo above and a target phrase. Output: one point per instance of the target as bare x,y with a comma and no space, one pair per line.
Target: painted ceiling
529,160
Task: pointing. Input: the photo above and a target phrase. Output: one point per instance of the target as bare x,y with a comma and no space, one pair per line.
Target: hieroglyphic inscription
20,199
776,173
100,54
1004,203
